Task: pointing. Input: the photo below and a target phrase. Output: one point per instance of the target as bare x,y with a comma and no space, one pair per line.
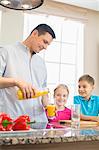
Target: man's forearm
45,100
6,82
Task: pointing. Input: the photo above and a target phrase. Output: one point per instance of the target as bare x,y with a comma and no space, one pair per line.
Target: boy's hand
97,118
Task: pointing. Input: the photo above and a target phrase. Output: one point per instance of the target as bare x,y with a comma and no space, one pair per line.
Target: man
21,68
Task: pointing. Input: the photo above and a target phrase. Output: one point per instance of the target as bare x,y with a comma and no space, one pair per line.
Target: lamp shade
21,4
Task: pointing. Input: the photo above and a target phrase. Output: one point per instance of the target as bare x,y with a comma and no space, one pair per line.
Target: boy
89,103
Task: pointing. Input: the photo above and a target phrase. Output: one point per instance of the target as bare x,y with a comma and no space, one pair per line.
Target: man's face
85,89
40,42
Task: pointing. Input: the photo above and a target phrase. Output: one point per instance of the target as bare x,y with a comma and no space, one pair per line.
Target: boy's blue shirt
88,107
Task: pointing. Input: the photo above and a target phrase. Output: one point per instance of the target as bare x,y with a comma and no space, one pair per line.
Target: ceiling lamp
21,4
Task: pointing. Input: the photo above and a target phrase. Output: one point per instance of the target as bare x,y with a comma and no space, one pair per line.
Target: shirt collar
33,53
24,47
91,98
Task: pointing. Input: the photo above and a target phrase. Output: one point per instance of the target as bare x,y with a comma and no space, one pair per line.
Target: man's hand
27,89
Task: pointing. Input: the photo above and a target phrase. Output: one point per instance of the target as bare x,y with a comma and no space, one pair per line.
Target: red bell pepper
6,122
21,123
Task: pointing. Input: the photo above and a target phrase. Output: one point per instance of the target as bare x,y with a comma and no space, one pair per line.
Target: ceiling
90,4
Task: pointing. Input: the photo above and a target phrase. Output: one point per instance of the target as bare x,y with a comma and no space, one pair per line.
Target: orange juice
39,93
51,110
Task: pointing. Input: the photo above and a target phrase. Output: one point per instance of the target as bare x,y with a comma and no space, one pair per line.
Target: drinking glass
75,116
51,110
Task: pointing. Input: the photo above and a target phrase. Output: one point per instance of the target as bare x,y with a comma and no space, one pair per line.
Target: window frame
79,55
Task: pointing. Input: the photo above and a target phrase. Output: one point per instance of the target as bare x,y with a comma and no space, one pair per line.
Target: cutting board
82,123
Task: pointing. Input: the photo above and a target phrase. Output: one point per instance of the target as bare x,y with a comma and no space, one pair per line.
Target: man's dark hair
43,28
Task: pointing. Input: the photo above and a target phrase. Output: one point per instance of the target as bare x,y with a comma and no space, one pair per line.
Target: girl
61,93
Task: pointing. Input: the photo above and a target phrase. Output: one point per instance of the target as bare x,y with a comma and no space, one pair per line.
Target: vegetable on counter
22,123
6,122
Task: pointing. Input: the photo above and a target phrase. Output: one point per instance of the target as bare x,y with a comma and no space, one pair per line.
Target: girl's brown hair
61,86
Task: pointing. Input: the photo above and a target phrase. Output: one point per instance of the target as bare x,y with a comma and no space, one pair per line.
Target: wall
11,26
12,29
91,54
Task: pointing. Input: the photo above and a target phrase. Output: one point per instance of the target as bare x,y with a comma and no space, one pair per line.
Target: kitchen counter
52,139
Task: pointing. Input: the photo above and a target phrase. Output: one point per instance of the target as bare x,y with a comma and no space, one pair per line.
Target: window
64,57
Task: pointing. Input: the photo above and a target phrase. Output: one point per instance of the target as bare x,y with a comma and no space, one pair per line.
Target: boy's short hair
87,78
